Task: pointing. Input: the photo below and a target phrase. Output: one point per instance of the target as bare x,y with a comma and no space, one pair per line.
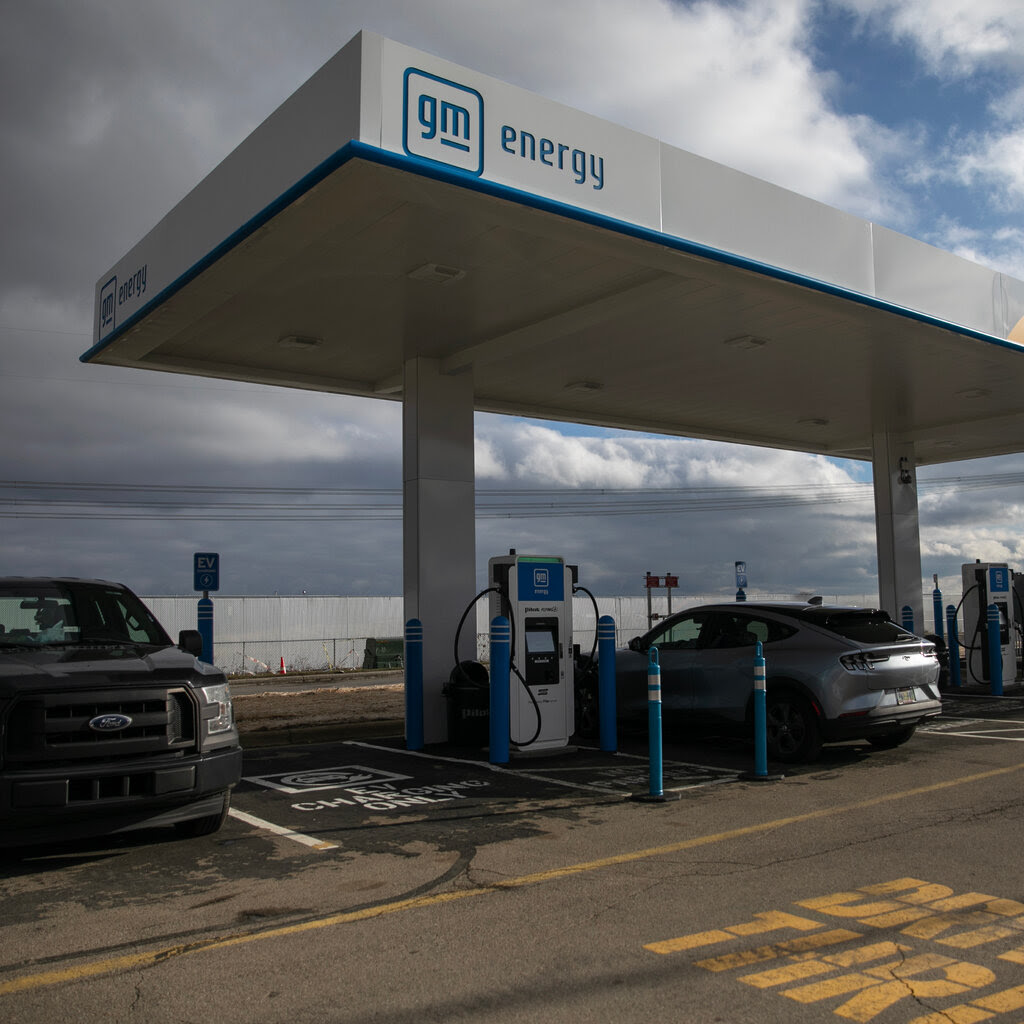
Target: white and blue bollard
995,653
952,646
760,709
606,709
414,685
501,653
908,618
657,789
760,714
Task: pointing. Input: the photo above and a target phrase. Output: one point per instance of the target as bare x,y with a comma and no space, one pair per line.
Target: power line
21,499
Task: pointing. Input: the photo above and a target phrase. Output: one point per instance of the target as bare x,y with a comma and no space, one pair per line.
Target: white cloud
997,160
1001,249
955,37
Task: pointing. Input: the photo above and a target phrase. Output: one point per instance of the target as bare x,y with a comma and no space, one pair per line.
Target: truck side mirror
191,641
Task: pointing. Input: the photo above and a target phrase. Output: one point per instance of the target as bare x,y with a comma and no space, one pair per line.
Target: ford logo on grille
109,723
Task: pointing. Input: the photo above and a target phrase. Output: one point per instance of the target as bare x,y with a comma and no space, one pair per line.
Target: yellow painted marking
787,975
865,954
772,921
1003,1002
955,1015
138,960
792,947
694,941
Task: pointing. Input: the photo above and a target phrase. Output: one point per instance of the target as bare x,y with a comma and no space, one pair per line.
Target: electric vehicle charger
993,584
534,592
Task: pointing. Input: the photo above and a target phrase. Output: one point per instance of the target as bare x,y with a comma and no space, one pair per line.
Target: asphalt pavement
359,881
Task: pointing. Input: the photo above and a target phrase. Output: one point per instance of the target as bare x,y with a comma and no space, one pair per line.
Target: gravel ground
327,705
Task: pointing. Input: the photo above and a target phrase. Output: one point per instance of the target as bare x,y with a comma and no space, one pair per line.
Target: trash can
469,705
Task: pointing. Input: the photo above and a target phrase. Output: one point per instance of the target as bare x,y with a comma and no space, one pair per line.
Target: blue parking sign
206,570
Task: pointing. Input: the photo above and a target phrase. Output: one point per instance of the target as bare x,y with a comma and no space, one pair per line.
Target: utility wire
21,499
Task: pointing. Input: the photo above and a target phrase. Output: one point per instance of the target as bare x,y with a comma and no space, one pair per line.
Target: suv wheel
793,732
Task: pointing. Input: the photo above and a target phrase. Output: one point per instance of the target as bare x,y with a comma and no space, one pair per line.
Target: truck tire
204,826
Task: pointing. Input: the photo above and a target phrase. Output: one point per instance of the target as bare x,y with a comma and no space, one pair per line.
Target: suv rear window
863,627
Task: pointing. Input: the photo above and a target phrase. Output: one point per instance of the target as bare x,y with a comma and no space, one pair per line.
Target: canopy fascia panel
680,297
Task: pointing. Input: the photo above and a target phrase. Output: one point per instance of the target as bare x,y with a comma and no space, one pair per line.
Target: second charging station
535,593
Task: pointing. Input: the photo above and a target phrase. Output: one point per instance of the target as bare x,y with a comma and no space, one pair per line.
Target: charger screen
540,642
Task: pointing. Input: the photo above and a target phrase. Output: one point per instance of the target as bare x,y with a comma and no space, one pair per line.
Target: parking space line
550,779
279,830
992,734
499,769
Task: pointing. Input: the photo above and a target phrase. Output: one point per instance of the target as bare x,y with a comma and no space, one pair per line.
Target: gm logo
541,578
443,122
108,306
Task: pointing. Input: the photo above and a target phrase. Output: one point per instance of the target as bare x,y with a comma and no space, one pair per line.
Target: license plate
905,696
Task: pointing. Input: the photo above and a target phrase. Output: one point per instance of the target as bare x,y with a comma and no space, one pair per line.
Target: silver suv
833,673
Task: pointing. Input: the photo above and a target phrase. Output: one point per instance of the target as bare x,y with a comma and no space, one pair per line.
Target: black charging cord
513,667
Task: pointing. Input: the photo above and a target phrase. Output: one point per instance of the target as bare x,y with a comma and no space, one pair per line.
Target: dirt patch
258,712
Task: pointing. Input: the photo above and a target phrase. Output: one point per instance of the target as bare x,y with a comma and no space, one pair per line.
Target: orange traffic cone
283,672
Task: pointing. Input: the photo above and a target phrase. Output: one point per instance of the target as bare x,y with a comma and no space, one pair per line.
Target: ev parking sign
206,570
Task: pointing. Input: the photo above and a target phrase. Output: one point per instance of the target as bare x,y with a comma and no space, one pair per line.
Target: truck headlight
220,697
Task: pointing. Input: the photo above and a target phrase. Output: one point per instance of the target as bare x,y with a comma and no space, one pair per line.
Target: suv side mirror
191,641
635,645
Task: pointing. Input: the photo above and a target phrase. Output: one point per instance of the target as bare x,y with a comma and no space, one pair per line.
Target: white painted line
486,764
280,830
992,734
585,786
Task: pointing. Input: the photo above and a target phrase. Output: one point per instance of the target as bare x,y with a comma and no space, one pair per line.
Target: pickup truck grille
50,729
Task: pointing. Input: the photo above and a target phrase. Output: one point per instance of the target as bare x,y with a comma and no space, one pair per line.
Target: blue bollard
937,611
204,623
657,789
501,652
760,714
414,685
908,618
606,708
952,646
995,653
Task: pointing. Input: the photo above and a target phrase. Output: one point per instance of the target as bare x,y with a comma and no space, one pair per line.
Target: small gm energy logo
108,306
443,122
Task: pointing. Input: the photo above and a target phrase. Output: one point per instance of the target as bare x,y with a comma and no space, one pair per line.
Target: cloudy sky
906,112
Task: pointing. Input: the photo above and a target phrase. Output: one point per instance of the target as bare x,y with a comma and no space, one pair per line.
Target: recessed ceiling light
746,342
583,385
437,273
303,341
813,421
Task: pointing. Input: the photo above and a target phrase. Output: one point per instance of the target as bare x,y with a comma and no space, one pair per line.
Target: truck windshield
63,614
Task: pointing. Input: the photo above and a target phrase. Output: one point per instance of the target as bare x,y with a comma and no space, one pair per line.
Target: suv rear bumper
879,722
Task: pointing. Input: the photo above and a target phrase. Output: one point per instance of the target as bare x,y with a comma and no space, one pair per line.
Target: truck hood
22,669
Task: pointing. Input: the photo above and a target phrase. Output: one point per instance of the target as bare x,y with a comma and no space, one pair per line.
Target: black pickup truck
106,725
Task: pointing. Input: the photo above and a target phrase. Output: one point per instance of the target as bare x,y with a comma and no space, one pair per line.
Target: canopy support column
896,527
438,541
